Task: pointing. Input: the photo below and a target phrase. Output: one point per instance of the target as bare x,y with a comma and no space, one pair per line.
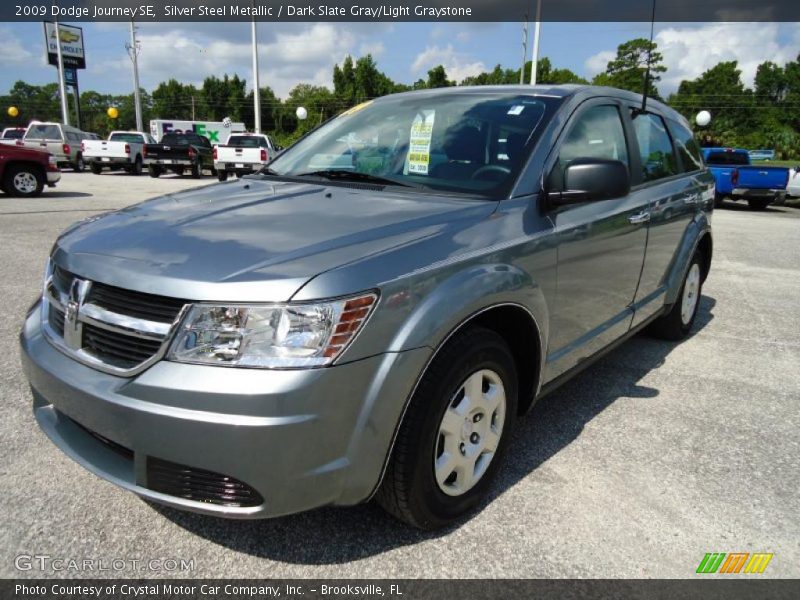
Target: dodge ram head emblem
73,329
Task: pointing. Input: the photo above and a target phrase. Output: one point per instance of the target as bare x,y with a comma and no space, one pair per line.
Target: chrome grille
114,330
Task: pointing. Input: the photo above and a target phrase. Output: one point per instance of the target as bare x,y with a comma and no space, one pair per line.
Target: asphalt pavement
656,455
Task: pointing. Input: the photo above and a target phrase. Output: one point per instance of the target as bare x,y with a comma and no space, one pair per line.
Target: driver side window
596,133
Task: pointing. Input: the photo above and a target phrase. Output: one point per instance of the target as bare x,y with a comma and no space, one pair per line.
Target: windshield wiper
343,175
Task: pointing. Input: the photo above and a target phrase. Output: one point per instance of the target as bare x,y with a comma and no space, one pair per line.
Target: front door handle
643,217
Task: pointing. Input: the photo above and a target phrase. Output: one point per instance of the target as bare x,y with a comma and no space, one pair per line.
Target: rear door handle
640,218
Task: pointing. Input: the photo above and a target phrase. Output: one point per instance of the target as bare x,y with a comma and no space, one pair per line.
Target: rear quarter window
688,149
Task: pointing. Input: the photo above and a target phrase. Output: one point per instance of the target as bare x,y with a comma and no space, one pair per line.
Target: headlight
277,336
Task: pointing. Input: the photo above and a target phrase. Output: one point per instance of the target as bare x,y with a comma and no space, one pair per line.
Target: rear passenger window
655,147
688,148
597,133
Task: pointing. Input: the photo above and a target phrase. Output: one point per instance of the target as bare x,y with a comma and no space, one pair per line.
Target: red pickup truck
24,172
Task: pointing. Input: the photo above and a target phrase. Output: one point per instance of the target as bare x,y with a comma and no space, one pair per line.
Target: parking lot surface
654,456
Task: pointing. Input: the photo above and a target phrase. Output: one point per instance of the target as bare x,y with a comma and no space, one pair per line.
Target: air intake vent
199,485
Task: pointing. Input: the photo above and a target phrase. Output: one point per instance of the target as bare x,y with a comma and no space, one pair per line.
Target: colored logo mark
734,562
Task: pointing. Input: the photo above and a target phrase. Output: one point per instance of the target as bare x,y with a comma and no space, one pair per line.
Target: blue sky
305,52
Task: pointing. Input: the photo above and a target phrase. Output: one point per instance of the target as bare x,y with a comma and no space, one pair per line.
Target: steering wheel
494,169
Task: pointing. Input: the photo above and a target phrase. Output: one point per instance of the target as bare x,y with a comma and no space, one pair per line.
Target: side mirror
591,180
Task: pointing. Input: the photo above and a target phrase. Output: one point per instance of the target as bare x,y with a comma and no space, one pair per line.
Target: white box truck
217,132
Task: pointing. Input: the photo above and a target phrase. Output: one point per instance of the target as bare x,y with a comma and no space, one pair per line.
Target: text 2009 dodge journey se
370,314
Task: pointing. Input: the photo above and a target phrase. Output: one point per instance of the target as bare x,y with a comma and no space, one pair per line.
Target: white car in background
793,187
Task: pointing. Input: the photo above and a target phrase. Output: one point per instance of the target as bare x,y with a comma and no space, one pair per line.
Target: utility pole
536,30
524,50
134,47
193,108
256,89
62,87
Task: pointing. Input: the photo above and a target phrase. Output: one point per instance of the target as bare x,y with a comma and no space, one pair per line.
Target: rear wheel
758,203
222,175
23,181
195,171
452,438
154,171
137,166
79,165
677,323
95,168
718,200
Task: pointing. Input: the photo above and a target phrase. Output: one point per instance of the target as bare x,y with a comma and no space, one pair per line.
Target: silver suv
370,315
62,141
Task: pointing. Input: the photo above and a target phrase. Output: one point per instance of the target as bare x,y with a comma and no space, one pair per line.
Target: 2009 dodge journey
370,314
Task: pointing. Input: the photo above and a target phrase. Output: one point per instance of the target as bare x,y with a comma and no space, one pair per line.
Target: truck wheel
758,203
195,171
95,168
23,181
718,200
137,166
455,430
222,175
154,171
677,323
79,165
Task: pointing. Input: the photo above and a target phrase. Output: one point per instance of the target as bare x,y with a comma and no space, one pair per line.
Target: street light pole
524,50
256,89
133,51
62,87
537,28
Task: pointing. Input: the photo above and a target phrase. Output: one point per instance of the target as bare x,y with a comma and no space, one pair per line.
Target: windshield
43,132
728,158
128,138
469,142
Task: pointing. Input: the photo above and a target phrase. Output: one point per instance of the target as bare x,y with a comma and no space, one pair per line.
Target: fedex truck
217,132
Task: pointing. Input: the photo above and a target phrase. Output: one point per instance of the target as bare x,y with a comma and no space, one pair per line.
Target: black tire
24,181
95,168
759,203
409,490
154,171
137,168
79,164
222,175
672,326
196,171
718,200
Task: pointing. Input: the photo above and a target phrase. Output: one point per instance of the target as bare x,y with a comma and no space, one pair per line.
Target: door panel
601,248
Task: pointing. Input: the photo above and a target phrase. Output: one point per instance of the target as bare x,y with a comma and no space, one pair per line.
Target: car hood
251,240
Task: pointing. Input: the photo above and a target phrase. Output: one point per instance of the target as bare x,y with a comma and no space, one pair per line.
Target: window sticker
419,148
516,110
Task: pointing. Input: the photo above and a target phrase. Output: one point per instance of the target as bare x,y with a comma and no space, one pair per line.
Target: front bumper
53,177
301,439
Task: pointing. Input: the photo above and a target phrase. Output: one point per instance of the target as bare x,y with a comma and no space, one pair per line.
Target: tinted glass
688,148
247,141
129,138
43,132
445,141
597,133
13,134
728,158
655,147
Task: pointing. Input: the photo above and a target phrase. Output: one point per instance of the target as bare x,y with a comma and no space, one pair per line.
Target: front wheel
452,438
677,323
23,181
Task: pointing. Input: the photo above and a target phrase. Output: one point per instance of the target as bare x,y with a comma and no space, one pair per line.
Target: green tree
174,100
437,78
627,70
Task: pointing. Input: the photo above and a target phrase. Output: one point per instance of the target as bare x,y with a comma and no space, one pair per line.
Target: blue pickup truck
737,179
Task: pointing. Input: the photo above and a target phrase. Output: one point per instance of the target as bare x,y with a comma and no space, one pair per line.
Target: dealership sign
72,51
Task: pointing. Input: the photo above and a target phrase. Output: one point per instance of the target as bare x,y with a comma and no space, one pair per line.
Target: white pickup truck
122,150
244,153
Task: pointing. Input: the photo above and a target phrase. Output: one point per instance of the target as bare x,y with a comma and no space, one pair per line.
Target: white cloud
689,51
11,48
375,49
598,63
457,64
